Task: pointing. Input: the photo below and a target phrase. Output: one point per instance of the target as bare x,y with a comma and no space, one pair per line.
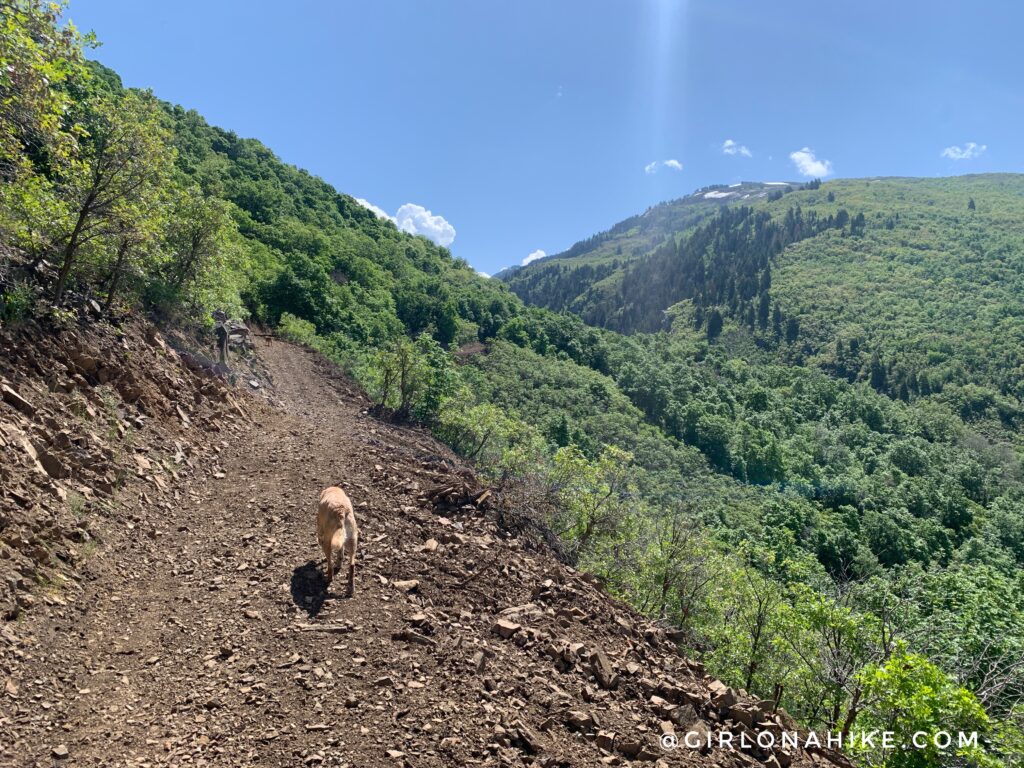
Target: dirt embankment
199,631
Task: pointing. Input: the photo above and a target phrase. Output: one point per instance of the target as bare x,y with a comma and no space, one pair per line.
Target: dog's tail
344,540
338,541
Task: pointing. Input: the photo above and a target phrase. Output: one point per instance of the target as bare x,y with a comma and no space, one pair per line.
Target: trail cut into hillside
199,632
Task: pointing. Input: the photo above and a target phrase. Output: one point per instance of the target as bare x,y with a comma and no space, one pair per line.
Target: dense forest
785,419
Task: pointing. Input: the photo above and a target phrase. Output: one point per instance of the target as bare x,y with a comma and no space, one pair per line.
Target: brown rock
410,636
16,401
684,715
407,585
602,669
700,733
722,696
85,363
53,466
505,628
630,747
743,714
606,740
580,721
27,446
530,740
765,707
660,705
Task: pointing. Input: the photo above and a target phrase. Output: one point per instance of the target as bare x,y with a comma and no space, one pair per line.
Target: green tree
590,494
125,159
714,324
878,377
446,320
195,237
39,53
911,697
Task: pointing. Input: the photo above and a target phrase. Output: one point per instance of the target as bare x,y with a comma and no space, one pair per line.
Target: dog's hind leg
350,553
330,564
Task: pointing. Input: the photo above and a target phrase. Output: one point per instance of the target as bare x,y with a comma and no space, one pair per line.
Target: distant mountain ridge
701,202
923,272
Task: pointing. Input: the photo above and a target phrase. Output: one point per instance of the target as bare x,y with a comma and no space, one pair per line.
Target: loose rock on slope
205,637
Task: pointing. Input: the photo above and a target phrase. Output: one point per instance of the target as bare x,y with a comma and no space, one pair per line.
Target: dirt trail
206,638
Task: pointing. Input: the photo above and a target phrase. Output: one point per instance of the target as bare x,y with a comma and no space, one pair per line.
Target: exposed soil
202,633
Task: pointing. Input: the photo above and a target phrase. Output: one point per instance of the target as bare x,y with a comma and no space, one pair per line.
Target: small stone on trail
505,628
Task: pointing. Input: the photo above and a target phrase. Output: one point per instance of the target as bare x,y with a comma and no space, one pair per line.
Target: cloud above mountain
380,213
730,147
416,220
968,151
808,164
653,166
538,254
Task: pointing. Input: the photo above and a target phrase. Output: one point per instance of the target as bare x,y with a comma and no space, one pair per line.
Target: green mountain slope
786,420
927,274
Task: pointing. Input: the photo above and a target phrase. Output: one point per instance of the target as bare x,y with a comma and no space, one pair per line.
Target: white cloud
379,212
538,254
730,147
482,274
808,164
417,220
968,151
652,167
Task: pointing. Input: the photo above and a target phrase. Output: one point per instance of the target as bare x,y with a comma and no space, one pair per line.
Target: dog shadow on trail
309,588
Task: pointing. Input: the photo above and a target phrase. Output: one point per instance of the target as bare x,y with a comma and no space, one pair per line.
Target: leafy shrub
16,304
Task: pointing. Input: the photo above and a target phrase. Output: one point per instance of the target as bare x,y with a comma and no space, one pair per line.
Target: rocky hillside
89,411
159,554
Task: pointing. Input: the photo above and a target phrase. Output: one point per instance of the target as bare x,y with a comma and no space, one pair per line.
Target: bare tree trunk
69,254
851,714
185,266
115,277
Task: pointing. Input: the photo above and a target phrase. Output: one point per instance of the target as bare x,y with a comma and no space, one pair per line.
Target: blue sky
528,125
